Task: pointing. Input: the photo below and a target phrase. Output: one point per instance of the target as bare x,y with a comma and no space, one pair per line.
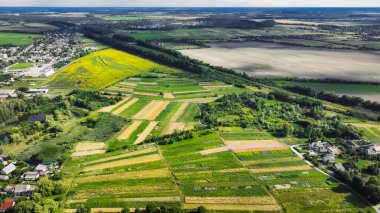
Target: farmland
276,60
17,39
103,68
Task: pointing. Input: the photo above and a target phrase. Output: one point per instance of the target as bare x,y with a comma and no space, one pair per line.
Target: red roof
7,204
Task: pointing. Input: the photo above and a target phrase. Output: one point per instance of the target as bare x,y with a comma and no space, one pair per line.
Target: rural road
293,148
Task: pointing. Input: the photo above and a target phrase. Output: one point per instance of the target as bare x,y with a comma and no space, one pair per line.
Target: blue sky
194,3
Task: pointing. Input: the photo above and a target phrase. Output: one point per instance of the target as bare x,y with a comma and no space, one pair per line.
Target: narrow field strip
231,207
258,149
125,106
217,86
129,130
108,210
154,173
253,142
168,95
150,199
87,153
212,171
126,162
172,127
272,160
147,83
147,94
232,200
215,150
199,100
281,169
146,132
148,110
160,108
179,112
131,84
110,108
128,154
365,125
89,148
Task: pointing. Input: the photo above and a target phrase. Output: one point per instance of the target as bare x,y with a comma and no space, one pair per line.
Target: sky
192,3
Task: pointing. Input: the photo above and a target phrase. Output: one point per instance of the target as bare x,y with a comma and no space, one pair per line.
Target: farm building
8,169
40,168
324,147
20,190
7,204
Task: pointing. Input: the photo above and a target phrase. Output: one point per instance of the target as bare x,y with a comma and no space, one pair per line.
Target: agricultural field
28,27
122,179
366,91
102,69
17,39
296,185
370,131
276,60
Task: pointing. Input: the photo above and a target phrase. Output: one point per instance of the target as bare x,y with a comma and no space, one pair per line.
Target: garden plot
214,150
89,148
112,107
172,127
125,106
179,112
152,110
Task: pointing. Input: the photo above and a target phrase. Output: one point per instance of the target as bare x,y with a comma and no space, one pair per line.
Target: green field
337,87
102,69
21,66
17,39
199,34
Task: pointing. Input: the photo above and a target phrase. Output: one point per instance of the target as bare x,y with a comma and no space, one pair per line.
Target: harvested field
164,172
147,83
179,112
110,108
128,131
263,59
169,95
88,148
147,94
125,162
146,132
190,92
172,127
152,110
366,125
211,87
108,210
270,160
281,169
231,207
215,150
128,154
212,171
231,200
125,106
254,145
130,84
200,100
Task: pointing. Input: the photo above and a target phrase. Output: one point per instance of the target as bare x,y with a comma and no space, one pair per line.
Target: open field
17,39
129,130
146,132
125,106
276,60
102,69
112,107
152,110
371,131
21,66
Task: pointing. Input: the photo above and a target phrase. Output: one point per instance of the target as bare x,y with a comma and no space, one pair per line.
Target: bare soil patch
254,145
231,207
215,150
281,169
110,108
147,94
89,148
169,95
150,199
151,111
231,200
199,100
158,110
172,127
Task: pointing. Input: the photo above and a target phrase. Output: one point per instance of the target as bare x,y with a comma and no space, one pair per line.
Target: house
3,160
31,175
4,178
7,92
311,153
6,204
339,167
333,150
372,149
25,190
8,169
41,169
351,145
319,147
3,56
328,158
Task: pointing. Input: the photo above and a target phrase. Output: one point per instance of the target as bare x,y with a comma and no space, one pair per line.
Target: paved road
376,207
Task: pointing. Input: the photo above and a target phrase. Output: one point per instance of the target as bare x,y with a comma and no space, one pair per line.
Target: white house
3,56
8,169
30,176
41,169
373,150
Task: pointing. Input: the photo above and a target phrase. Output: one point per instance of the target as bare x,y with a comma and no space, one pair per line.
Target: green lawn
21,66
17,39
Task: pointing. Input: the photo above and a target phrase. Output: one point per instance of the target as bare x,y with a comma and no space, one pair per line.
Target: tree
28,206
125,210
82,209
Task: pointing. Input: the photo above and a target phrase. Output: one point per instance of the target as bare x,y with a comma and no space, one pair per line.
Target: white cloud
195,3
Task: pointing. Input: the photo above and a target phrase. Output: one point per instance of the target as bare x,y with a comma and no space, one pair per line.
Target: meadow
102,69
21,66
17,39
276,60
